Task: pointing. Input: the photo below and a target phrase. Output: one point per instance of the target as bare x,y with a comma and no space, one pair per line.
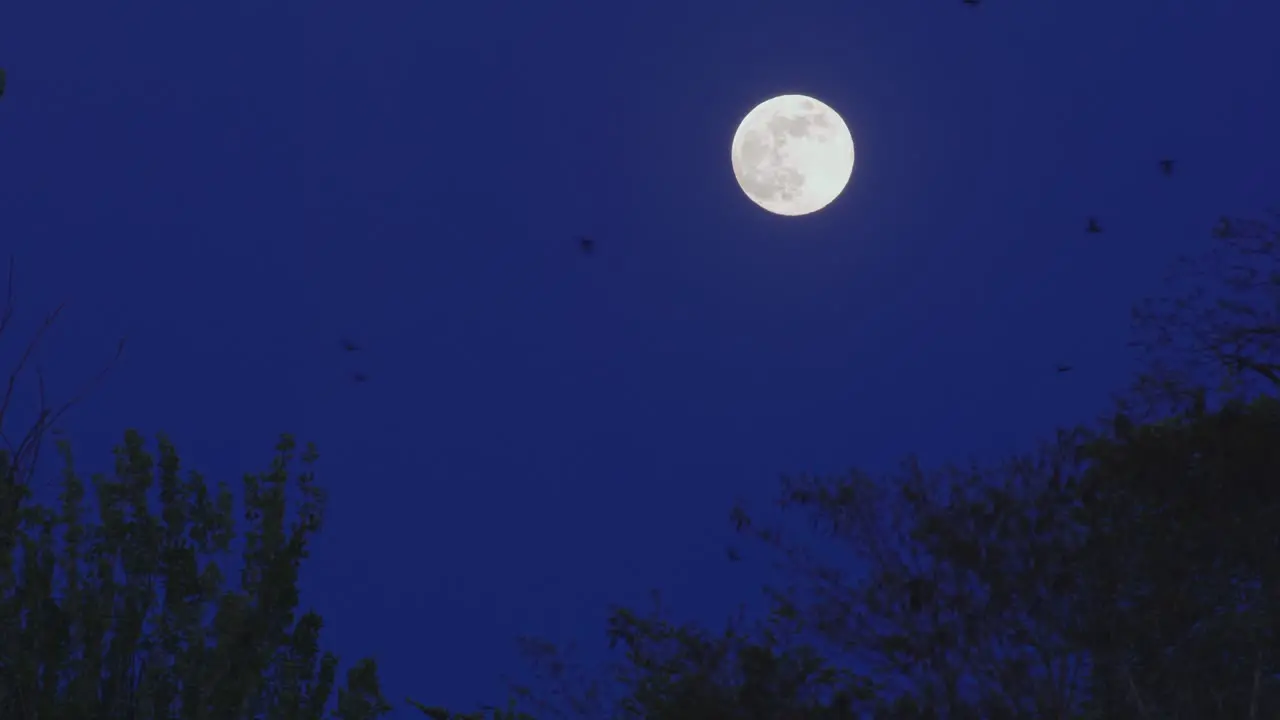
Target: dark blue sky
543,433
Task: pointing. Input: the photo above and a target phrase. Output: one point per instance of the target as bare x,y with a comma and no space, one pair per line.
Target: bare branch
24,454
1257,678
32,345
1218,324
49,417
1137,697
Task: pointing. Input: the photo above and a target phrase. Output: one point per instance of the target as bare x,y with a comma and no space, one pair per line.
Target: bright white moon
792,155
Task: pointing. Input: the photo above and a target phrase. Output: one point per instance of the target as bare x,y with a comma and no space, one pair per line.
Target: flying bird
1094,227
1064,368
972,2
359,377
1166,166
348,345
1224,228
587,244
2,80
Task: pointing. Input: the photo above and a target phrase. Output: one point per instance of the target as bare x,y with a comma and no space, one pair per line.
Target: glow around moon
792,155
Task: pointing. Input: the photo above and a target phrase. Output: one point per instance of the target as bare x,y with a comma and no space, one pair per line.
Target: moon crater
792,155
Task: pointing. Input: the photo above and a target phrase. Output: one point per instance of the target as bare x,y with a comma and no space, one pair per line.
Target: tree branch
29,446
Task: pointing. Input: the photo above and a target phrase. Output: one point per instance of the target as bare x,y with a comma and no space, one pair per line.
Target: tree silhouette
1218,323
1128,569
23,448
130,617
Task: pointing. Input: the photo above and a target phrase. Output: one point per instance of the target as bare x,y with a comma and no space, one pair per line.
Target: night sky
544,433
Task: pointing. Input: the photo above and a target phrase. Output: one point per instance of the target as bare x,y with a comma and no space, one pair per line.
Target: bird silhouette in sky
587,245
1166,167
1093,227
972,2
2,81
348,345
359,377
1224,228
1064,368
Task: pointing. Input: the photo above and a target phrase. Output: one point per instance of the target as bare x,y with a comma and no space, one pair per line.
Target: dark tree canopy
1218,324
1129,569
120,608
1125,570
113,603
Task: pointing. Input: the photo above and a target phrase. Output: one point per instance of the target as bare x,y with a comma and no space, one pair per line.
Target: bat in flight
1166,167
1064,368
348,345
587,245
1093,226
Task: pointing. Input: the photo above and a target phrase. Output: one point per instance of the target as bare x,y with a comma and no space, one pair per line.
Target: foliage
955,584
1125,571
1218,323
1132,573
1185,551
128,615
1129,570
437,713
679,672
24,453
671,671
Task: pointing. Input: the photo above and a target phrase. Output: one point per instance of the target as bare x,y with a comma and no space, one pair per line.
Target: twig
22,363
1137,698
1257,677
31,440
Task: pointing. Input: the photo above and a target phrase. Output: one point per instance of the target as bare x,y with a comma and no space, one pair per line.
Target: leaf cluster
1125,570
121,610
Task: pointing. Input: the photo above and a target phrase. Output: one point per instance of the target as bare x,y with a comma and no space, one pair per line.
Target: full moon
792,155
